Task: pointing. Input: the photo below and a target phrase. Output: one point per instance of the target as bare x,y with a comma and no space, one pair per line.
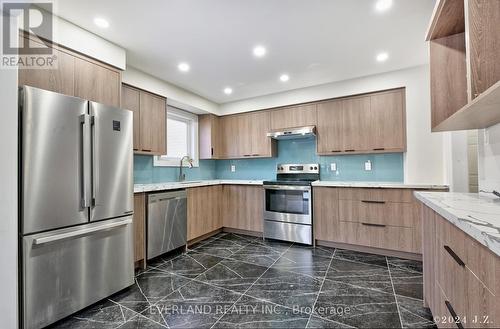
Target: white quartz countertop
139,188
378,185
478,215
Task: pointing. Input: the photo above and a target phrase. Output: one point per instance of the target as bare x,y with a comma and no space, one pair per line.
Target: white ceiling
314,41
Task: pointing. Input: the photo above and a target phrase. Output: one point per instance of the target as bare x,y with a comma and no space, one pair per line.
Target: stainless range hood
293,133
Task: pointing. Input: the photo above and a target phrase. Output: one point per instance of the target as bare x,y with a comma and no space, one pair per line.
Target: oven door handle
287,187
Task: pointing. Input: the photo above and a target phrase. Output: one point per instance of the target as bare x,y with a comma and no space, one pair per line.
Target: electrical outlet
233,168
368,165
333,166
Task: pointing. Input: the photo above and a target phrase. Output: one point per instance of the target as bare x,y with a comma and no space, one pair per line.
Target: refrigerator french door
76,177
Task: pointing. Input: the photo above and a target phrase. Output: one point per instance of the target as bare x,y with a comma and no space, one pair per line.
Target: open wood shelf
464,64
482,112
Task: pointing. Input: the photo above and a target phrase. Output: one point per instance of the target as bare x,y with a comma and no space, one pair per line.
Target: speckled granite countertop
478,215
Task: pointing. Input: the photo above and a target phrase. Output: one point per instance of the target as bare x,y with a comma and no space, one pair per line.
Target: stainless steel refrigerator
76,178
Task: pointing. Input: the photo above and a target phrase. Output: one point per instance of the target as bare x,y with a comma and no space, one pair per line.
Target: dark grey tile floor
236,281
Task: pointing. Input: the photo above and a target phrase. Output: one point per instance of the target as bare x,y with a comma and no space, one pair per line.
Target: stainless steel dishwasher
167,222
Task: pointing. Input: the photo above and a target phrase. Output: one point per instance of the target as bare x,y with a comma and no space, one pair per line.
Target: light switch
333,166
368,165
233,168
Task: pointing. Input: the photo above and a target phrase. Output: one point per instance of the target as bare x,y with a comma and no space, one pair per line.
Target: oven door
290,204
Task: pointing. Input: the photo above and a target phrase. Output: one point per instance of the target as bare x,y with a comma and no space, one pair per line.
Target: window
182,138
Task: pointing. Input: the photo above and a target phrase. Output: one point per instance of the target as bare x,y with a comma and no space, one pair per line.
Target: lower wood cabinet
243,207
461,276
203,210
139,220
369,217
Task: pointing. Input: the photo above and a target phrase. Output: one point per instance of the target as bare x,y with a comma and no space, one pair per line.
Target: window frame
192,140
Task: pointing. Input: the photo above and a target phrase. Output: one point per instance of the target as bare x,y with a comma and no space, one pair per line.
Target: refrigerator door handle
85,161
95,161
81,232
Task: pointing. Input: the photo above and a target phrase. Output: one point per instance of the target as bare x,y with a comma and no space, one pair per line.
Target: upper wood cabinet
465,64
97,83
371,123
295,116
75,75
245,136
209,136
150,125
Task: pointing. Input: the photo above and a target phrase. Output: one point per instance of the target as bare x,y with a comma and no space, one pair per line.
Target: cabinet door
159,124
356,124
297,116
209,139
131,101
244,131
229,136
388,122
203,211
326,221
58,80
261,144
153,125
243,207
330,129
97,83
139,227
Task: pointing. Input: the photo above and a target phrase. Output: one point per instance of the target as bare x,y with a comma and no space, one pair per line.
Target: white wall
424,159
489,158
8,197
176,96
456,160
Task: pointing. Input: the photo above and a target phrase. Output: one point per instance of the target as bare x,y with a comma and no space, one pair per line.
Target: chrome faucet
182,176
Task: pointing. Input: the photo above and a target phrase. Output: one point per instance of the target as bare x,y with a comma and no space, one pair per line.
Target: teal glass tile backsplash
145,172
387,167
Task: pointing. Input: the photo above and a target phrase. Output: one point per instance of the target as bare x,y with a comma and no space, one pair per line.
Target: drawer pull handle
455,256
379,149
336,151
375,225
372,201
456,319
349,150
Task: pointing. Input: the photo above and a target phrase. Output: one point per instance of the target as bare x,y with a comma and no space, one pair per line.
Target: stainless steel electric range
288,203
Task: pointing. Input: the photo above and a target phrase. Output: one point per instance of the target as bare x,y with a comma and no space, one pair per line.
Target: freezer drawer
66,270
288,232
167,222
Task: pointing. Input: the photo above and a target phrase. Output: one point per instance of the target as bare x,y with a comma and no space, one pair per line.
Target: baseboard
203,237
370,250
239,231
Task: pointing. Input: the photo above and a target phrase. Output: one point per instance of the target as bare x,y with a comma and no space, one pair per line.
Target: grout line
244,293
394,292
320,288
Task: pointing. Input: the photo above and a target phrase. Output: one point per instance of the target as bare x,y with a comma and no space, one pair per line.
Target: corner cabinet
150,125
461,276
464,38
372,123
242,207
209,136
76,75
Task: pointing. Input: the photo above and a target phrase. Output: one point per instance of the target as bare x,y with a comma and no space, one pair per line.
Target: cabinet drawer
385,237
378,212
376,194
483,263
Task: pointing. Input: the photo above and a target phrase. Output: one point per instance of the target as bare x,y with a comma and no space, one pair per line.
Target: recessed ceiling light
183,67
228,91
101,22
382,57
259,51
284,77
383,5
